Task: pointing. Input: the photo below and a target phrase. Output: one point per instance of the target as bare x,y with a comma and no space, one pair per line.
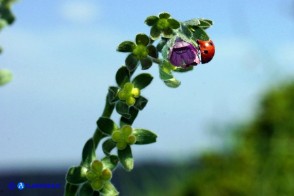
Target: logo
20,186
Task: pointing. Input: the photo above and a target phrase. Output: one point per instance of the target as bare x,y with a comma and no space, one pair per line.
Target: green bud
128,87
91,175
106,174
126,130
116,136
136,92
97,184
121,145
97,166
130,101
121,95
140,51
162,24
131,139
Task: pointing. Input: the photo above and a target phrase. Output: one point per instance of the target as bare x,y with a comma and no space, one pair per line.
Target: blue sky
62,54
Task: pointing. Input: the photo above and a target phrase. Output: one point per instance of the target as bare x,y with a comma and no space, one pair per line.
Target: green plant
177,43
6,18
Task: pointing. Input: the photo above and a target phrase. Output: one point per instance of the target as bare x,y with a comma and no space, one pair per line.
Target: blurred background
227,130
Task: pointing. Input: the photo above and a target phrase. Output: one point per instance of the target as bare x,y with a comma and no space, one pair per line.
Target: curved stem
156,60
108,108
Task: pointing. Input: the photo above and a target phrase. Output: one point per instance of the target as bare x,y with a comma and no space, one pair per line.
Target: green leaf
76,175
123,109
174,24
131,62
129,121
192,22
86,190
109,190
186,31
7,15
70,189
106,125
143,80
142,39
164,15
5,76
126,158
199,33
173,83
126,46
151,20
164,73
141,102
152,51
111,96
144,136
155,32
161,44
88,154
107,146
110,161
181,70
205,23
168,33
146,63
122,76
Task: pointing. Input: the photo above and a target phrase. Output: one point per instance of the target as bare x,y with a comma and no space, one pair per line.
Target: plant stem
108,108
156,60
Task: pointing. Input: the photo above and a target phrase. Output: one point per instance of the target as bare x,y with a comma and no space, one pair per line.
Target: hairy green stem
108,109
156,60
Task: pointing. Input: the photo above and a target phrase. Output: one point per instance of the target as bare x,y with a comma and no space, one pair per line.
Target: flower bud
106,174
97,185
183,54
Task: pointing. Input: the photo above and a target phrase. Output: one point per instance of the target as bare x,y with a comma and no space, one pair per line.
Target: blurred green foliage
261,163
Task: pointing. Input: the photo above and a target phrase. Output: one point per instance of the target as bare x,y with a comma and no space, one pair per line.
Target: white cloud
80,11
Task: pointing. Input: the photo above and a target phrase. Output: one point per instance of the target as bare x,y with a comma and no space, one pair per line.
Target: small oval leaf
5,76
107,146
164,15
106,125
144,136
110,162
199,33
173,83
174,24
126,46
111,96
76,175
141,102
152,51
146,63
88,154
126,158
143,80
151,20
109,190
86,189
70,189
131,62
123,109
142,39
122,76
154,32
129,121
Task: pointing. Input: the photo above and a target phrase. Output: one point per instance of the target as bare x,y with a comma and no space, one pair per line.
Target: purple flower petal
183,54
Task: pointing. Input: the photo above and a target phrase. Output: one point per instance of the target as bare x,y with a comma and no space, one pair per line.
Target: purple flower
183,54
